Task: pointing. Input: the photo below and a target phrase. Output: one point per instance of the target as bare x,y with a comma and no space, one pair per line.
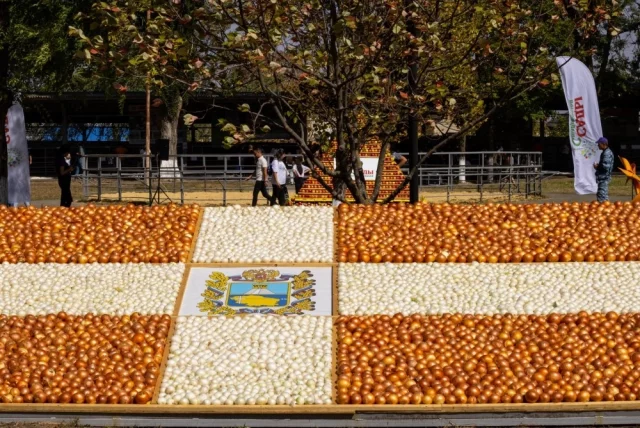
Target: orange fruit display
97,234
502,233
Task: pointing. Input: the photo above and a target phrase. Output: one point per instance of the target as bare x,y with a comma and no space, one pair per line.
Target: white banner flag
369,168
18,156
584,121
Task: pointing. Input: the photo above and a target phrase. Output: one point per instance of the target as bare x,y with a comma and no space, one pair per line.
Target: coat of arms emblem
258,291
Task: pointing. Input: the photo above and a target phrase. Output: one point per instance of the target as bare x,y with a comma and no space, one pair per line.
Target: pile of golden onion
504,233
460,359
90,234
81,359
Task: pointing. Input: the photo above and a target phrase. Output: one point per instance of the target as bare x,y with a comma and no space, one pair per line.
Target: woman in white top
279,179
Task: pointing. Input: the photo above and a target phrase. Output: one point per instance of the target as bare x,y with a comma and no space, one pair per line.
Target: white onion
265,234
536,288
115,289
254,359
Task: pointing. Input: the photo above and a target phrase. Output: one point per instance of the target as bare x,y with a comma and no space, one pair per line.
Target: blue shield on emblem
259,295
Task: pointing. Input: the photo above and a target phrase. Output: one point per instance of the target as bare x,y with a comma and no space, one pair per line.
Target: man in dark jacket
65,169
604,168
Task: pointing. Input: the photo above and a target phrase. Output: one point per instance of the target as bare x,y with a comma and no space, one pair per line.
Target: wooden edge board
334,360
181,291
165,358
334,290
266,264
196,235
310,409
336,219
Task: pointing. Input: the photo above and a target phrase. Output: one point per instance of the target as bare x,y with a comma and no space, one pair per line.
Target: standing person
279,179
65,168
604,168
300,174
400,159
142,152
78,161
260,175
316,151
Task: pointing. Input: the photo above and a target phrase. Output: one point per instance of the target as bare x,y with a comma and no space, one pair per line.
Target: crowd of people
278,173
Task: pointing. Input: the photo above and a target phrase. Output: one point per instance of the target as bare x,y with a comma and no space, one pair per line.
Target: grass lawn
44,190
617,187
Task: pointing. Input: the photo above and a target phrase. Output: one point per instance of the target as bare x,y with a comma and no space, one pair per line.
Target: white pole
490,164
462,161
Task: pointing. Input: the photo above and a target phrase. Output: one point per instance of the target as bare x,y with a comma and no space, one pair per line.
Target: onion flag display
18,156
584,121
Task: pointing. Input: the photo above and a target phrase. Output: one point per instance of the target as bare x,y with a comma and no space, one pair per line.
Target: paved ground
551,197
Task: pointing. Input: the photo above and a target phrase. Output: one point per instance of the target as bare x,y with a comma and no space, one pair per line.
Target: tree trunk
4,167
360,195
339,183
492,135
340,188
170,120
65,125
6,98
604,63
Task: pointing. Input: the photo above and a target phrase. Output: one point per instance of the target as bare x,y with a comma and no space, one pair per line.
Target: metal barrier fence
222,179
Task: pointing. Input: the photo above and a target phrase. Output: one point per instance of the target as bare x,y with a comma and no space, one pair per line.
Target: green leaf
266,129
338,28
245,108
183,51
229,127
189,119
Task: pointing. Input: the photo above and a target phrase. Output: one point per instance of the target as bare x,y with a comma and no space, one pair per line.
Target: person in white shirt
260,175
279,179
300,174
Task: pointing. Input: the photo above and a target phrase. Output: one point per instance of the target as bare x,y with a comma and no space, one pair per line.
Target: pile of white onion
114,289
537,288
245,360
261,234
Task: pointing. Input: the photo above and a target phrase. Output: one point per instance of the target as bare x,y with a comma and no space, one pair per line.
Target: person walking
300,174
65,169
279,179
604,168
260,175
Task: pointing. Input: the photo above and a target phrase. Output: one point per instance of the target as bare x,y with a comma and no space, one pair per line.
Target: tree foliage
611,53
346,64
35,55
130,44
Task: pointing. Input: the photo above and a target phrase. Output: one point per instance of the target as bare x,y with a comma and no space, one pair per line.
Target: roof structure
313,193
